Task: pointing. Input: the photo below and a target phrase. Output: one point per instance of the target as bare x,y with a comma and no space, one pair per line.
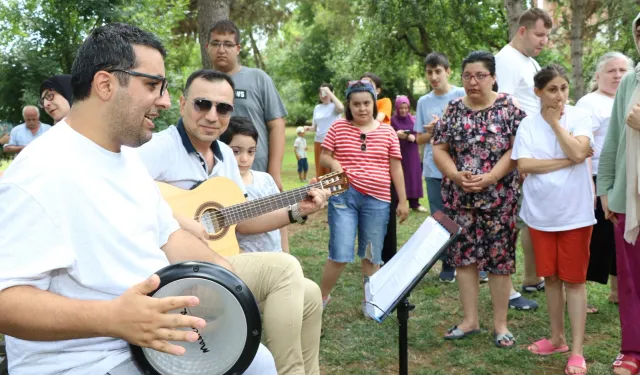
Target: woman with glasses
403,122
472,148
369,153
56,96
552,147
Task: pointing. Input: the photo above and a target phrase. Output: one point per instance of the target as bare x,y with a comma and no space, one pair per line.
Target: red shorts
565,254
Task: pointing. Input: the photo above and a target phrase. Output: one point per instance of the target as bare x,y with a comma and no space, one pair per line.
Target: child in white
242,137
300,148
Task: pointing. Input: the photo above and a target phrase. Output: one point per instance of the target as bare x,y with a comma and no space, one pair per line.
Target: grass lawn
353,345
3,165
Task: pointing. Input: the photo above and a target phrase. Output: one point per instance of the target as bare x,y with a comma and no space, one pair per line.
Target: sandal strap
622,360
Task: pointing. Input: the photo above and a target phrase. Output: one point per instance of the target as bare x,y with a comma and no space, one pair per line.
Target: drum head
228,343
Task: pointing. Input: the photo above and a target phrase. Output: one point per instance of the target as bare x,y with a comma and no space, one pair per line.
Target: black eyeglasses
162,79
48,95
204,105
363,139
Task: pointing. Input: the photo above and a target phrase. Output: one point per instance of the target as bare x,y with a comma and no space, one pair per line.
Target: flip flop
592,309
545,347
456,333
498,337
576,360
622,361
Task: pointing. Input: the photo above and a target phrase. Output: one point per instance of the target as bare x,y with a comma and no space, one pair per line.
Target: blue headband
361,86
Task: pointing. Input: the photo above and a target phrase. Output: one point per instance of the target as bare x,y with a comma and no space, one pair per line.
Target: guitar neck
248,210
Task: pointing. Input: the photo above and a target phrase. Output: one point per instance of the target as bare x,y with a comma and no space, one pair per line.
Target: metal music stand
401,304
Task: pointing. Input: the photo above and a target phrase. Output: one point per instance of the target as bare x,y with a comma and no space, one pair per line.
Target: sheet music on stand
396,278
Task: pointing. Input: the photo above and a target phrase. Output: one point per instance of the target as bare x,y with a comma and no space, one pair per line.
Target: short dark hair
209,75
225,27
376,80
487,59
239,125
435,59
529,18
347,110
547,74
330,86
109,47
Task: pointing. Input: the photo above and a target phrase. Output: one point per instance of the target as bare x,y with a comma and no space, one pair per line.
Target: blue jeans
353,213
303,165
434,195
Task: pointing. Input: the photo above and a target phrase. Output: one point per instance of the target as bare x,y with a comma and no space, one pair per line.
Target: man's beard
125,128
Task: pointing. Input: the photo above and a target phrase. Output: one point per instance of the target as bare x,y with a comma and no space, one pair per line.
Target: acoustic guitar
230,207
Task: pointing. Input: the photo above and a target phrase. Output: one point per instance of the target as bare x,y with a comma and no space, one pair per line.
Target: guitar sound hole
212,220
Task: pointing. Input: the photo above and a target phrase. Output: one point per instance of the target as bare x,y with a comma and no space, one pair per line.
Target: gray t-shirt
263,185
257,98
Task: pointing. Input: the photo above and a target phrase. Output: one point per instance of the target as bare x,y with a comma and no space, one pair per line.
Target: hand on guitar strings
316,201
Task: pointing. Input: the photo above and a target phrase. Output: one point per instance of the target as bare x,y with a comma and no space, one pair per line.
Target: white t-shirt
515,73
600,106
300,145
82,222
170,157
262,185
560,200
323,116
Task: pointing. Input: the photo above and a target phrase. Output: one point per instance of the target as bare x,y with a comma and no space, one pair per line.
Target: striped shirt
368,171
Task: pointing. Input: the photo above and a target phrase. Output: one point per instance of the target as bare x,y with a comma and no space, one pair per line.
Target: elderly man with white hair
26,132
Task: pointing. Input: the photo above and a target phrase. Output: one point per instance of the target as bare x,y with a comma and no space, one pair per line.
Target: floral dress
477,140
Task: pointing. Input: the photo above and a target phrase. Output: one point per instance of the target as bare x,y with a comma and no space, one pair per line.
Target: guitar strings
237,210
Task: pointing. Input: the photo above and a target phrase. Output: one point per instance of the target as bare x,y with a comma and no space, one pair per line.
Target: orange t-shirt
385,106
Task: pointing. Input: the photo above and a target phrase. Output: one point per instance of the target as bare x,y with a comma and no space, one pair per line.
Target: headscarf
60,84
402,99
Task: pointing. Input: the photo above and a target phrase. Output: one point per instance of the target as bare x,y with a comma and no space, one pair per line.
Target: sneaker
420,209
484,277
448,276
523,304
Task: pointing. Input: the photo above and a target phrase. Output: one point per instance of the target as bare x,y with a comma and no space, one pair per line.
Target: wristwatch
294,215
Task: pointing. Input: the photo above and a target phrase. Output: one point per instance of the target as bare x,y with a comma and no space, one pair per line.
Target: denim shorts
353,213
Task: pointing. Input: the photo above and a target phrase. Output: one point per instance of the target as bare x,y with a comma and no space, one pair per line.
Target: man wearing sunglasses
189,153
256,97
74,284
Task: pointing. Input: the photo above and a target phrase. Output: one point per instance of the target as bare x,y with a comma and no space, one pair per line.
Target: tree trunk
256,52
578,9
209,12
514,9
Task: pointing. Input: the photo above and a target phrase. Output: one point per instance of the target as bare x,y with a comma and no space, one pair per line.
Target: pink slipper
545,347
576,360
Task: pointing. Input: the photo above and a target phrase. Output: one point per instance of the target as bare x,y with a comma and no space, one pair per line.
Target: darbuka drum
230,340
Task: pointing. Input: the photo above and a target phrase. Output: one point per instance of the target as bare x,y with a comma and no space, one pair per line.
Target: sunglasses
361,82
163,80
363,139
204,105
48,95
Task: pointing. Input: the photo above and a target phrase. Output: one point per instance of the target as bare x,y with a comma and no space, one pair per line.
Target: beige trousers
291,307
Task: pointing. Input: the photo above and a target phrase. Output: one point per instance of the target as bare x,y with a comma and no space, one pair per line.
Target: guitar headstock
336,182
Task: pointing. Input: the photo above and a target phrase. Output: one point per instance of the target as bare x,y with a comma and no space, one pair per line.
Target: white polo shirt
171,158
560,200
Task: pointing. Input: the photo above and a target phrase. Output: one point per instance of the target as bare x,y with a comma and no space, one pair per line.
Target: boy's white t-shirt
84,223
323,116
514,74
560,200
300,145
262,186
600,106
